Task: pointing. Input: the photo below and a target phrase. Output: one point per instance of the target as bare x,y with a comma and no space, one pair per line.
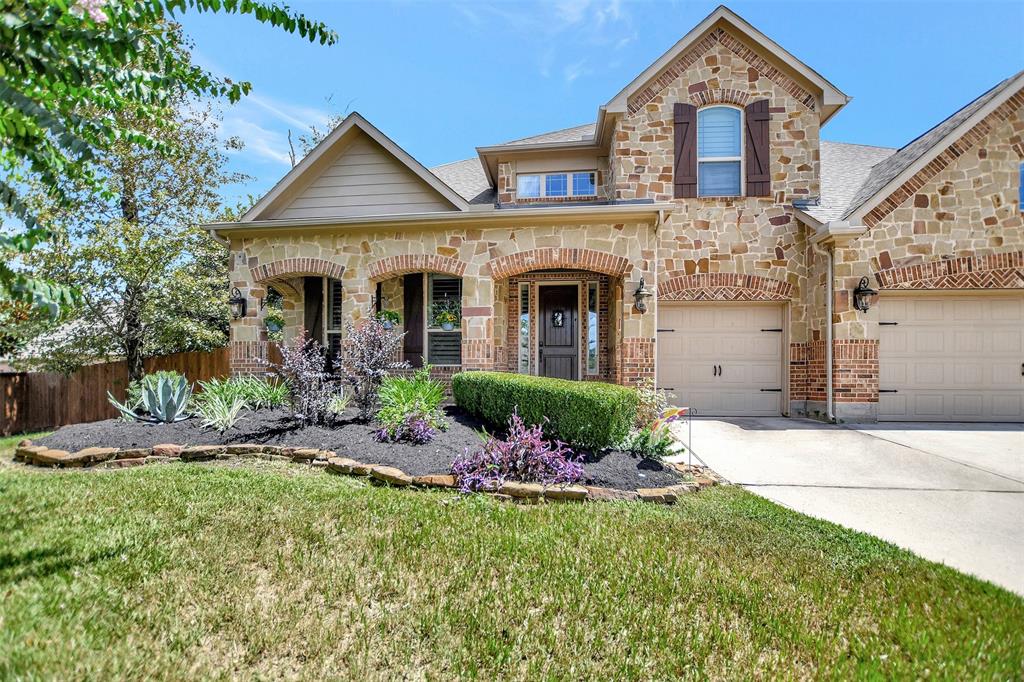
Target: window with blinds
719,155
333,328
444,347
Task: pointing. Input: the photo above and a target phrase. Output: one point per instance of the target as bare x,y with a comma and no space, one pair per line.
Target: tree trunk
134,298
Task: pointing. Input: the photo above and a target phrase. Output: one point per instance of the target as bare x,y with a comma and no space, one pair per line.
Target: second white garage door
951,358
722,359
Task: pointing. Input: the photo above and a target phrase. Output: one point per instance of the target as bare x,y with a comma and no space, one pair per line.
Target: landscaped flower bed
396,430
272,432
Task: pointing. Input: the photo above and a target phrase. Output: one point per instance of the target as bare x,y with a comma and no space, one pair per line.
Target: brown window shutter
685,136
757,118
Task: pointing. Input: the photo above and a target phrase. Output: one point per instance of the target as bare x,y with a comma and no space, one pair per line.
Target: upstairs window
542,185
528,186
719,155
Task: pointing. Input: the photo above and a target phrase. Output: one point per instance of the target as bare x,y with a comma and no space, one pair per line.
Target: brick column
478,331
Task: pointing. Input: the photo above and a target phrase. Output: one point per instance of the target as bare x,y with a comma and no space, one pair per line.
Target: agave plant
164,401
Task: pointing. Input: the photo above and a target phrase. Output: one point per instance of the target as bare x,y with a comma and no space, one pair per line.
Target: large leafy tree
73,86
151,280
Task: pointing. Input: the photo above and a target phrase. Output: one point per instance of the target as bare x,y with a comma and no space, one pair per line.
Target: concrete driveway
952,493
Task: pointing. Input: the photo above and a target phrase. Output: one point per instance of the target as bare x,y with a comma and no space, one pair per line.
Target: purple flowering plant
524,455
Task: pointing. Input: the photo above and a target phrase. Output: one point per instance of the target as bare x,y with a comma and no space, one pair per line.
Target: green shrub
654,442
583,414
408,401
255,392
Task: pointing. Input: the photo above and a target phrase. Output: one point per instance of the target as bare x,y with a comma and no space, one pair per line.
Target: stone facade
957,224
490,260
960,228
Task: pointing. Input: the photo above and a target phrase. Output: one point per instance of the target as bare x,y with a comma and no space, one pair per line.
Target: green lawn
273,570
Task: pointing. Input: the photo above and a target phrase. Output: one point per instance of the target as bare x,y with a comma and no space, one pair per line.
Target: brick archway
393,266
558,258
722,286
998,271
286,268
720,96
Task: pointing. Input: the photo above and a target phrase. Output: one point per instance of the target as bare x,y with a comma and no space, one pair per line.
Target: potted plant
389,318
274,321
446,313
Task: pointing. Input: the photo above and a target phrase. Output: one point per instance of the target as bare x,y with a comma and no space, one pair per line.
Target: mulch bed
349,437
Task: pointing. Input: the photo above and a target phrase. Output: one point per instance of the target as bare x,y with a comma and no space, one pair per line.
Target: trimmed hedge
584,414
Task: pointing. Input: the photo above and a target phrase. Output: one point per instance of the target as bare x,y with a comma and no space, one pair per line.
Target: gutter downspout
219,239
829,260
654,268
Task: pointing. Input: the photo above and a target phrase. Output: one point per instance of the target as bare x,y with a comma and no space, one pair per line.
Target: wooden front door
558,345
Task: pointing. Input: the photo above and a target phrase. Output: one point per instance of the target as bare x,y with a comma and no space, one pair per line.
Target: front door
558,345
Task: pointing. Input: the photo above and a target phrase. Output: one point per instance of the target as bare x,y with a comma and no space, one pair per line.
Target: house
698,233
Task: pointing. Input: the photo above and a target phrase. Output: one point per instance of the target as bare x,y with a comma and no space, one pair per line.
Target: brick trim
393,266
554,257
722,286
687,59
295,267
995,271
943,159
720,96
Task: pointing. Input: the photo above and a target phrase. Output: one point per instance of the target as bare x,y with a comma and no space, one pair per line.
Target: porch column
247,336
636,356
478,329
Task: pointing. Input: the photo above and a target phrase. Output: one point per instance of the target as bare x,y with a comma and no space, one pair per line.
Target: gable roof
844,168
578,133
832,100
306,169
895,170
467,177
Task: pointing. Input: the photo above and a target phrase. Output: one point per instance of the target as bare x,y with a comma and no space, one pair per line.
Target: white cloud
555,32
573,71
262,143
293,115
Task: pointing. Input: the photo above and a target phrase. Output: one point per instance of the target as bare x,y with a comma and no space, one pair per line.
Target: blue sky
443,78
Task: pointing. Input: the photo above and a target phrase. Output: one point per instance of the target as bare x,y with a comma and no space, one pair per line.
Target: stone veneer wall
958,227
727,249
485,257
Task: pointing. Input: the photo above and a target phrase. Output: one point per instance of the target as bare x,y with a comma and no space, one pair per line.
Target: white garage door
951,358
722,360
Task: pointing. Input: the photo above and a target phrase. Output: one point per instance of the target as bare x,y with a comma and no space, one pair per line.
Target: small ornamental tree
370,352
310,386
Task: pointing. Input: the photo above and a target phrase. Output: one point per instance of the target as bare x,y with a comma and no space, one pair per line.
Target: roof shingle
886,171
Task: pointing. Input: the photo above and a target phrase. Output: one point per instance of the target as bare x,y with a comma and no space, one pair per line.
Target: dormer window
556,185
719,152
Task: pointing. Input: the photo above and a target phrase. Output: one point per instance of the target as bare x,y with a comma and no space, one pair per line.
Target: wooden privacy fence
37,401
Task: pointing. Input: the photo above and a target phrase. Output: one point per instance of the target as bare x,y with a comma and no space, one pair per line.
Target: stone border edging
512,491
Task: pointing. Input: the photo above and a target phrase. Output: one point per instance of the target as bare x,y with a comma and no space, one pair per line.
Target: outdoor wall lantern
238,304
641,295
862,295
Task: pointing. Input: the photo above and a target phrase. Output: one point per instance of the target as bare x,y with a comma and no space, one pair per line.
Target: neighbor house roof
844,168
891,172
